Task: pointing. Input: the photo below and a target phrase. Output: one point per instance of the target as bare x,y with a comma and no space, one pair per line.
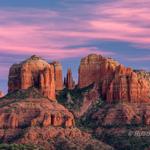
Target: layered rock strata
32,112
116,82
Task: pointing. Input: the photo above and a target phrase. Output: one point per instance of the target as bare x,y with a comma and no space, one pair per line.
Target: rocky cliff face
33,72
69,82
126,85
58,75
94,68
117,83
1,94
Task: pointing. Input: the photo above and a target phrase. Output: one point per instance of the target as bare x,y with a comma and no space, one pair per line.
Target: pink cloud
49,33
125,20
45,32
42,39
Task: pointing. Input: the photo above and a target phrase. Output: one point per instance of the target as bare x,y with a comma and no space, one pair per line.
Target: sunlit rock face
58,75
69,82
33,72
29,112
117,83
94,68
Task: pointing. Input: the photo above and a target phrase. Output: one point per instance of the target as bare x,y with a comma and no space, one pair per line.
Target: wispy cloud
124,20
47,31
22,33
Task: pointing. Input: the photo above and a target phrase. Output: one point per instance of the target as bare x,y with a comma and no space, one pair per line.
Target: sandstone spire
69,82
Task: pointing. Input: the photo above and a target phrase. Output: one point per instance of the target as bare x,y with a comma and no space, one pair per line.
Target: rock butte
117,83
58,75
33,72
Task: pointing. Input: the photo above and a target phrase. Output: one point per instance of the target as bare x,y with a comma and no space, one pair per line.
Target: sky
67,30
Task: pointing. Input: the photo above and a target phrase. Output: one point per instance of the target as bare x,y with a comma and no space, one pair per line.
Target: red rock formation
58,75
69,82
117,82
94,68
1,94
34,112
127,86
13,121
47,83
47,120
33,72
69,122
39,121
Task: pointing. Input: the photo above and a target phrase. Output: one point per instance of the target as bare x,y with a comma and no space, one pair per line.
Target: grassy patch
19,147
23,94
86,122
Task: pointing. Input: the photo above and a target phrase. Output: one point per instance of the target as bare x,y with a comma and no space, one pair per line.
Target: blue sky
67,30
